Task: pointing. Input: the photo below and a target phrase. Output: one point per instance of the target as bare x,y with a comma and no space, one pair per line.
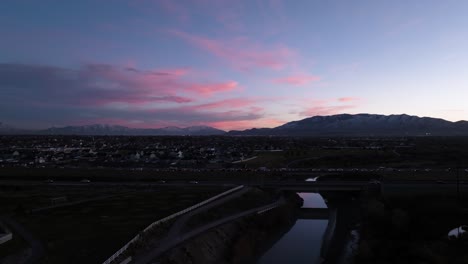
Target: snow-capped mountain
364,125
96,129
99,129
335,125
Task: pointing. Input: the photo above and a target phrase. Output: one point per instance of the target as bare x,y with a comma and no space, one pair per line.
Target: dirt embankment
237,242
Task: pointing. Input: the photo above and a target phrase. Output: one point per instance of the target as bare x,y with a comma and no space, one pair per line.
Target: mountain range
115,130
334,125
364,125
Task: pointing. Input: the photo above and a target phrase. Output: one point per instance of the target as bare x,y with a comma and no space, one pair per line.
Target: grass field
91,232
16,244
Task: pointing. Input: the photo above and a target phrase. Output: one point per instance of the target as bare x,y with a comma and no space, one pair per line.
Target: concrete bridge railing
329,232
5,234
165,219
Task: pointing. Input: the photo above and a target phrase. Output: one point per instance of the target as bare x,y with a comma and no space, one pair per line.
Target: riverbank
237,242
410,229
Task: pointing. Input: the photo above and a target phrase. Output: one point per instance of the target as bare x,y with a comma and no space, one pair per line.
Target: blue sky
229,64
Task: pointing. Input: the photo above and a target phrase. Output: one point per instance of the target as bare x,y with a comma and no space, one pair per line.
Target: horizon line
227,130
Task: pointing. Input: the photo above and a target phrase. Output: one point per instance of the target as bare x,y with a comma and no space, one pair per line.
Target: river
301,245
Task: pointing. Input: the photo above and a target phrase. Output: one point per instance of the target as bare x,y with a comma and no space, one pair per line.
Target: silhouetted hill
9,130
99,129
364,125
335,125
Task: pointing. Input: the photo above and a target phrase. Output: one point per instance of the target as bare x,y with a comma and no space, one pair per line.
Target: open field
26,198
91,232
108,174
16,244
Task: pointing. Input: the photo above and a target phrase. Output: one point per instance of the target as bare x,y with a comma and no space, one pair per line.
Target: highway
291,185
267,183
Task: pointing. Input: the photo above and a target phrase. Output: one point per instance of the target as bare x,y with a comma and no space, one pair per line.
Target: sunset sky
229,64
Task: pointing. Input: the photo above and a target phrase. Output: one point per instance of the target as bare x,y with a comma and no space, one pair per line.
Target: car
440,182
161,182
49,181
85,181
193,182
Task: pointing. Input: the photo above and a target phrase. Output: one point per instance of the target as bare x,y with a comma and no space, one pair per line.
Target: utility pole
458,194
458,183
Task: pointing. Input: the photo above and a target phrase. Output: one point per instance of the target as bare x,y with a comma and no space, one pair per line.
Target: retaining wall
186,210
5,234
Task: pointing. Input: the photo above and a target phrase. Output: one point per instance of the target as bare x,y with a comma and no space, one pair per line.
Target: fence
5,234
125,247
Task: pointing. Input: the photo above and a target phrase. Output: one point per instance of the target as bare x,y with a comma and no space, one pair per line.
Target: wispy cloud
241,53
210,89
98,84
326,110
247,124
297,79
129,96
229,103
348,99
329,106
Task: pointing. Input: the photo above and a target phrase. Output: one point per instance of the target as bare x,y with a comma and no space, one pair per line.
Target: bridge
318,186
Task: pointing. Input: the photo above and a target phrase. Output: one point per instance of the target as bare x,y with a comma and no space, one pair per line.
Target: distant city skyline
229,64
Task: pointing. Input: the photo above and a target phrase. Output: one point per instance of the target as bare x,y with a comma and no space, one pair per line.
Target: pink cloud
229,103
100,93
241,53
137,100
209,89
95,85
226,109
246,124
224,125
329,106
137,87
297,79
183,116
326,110
348,99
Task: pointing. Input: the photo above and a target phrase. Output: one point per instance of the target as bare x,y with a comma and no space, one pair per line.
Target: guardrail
125,247
329,232
5,234
268,209
5,237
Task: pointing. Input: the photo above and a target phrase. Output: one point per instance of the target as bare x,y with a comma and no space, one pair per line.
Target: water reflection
312,200
303,242
457,232
312,179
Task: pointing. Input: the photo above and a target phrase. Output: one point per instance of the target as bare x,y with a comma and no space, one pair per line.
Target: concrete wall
5,238
186,210
5,234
